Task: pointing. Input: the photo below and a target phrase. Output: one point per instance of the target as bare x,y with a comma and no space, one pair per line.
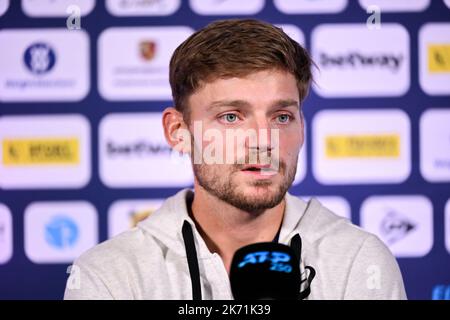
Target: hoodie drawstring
296,245
191,255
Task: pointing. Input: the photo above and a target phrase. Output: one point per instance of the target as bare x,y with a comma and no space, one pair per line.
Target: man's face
265,103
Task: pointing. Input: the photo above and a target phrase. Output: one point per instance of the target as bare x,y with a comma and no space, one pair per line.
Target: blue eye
283,118
230,117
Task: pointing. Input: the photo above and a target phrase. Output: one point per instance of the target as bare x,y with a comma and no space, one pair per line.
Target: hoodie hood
151,260
165,224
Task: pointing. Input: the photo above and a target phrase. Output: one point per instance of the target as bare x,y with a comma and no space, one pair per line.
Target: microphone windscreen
265,270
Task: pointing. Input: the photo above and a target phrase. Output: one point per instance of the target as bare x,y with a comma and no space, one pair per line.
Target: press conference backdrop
83,158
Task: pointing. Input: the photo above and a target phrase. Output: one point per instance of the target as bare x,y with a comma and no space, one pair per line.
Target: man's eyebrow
228,103
244,104
286,103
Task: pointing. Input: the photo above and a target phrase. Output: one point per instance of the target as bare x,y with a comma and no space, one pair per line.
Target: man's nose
263,142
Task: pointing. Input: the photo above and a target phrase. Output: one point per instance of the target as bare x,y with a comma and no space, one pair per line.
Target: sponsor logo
439,58
39,58
138,216
58,232
142,8
55,8
148,50
434,58
361,146
61,232
365,146
435,145
6,244
395,226
126,214
138,69
403,223
40,151
396,6
53,152
440,292
221,7
133,153
356,61
41,65
310,7
136,149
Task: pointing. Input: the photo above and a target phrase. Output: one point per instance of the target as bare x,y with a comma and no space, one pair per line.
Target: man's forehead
272,87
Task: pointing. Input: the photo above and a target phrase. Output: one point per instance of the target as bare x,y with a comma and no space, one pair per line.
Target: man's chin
258,189
263,196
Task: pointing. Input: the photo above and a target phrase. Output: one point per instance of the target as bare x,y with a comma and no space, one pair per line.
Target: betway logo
359,60
139,148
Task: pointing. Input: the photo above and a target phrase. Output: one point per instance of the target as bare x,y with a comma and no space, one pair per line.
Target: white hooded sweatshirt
149,261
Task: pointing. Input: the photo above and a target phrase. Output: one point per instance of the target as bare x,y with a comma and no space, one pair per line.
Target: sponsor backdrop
83,157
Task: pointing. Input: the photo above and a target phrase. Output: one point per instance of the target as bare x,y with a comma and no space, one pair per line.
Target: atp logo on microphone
265,270
277,260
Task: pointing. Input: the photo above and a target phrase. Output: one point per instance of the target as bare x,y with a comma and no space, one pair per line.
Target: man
236,76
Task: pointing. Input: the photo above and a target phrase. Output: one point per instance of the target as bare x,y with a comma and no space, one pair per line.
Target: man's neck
226,228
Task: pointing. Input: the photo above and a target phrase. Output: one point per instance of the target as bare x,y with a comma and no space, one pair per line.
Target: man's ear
176,131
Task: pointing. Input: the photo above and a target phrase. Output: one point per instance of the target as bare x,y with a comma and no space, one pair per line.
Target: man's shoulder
344,255
117,250
335,232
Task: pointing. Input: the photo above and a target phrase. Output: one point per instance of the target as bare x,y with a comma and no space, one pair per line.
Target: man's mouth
260,170
256,167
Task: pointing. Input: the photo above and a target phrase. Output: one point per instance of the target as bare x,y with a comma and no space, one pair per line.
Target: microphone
265,271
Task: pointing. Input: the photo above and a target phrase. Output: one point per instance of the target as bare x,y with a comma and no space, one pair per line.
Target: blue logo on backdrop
441,292
61,232
277,260
39,58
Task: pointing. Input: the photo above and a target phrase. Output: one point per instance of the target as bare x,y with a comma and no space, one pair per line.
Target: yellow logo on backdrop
42,151
439,58
362,146
138,216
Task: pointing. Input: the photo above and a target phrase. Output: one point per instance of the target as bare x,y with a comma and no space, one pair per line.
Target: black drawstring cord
191,255
296,245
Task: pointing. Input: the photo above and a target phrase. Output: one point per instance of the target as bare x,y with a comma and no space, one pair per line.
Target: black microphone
265,271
